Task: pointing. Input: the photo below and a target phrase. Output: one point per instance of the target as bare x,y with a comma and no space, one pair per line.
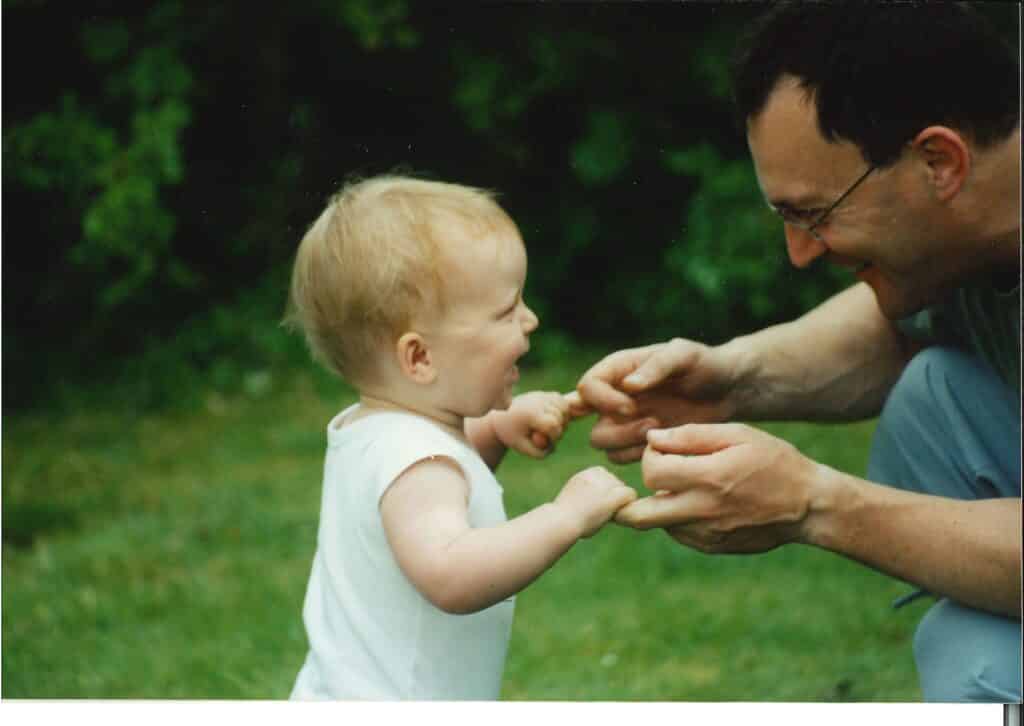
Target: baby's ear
414,358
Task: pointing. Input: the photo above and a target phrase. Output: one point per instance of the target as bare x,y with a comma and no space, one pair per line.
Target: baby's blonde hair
373,259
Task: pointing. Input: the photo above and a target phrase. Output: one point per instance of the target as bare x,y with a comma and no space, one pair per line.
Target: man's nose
803,247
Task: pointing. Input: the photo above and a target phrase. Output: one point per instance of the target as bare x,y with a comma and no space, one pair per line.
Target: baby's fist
592,497
533,422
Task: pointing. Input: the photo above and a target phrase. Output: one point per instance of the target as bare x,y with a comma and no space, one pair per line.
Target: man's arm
969,551
836,363
730,488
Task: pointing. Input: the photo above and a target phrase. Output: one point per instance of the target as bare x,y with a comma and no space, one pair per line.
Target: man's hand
723,488
663,385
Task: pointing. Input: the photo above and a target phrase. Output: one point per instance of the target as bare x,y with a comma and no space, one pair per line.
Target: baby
413,291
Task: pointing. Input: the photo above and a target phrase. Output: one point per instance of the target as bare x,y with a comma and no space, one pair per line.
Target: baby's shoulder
399,437
395,444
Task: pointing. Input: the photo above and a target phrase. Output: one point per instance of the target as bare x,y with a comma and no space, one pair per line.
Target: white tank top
372,635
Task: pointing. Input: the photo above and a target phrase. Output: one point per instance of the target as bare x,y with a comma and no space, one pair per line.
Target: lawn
165,555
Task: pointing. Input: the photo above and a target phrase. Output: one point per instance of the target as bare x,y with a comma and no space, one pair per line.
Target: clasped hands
718,486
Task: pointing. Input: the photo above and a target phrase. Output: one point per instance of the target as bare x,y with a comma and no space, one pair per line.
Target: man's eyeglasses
810,219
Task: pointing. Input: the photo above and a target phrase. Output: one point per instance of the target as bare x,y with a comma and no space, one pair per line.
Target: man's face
889,231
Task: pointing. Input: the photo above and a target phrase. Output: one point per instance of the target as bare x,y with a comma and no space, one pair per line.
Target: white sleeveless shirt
372,635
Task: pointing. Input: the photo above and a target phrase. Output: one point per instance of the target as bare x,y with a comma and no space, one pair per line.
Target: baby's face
486,327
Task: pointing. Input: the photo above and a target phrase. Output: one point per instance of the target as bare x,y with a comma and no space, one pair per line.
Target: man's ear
948,158
414,358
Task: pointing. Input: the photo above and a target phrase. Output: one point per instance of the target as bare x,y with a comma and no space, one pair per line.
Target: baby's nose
530,320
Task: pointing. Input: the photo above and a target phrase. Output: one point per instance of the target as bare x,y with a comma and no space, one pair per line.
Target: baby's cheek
504,401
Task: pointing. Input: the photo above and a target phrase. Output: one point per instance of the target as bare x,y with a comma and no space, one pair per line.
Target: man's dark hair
880,73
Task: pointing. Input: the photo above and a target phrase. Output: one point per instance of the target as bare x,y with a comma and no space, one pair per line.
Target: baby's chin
500,403
503,403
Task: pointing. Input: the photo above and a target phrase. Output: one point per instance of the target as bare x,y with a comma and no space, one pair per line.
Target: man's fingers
627,455
598,386
657,511
539,440
599,395
673,358
697,439
609,434
676,473
650,512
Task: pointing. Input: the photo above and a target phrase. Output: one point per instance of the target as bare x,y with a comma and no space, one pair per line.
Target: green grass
166,556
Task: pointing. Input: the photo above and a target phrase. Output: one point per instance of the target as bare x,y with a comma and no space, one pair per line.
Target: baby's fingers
547,428
611,500
552,423
577,408
620,496
536,445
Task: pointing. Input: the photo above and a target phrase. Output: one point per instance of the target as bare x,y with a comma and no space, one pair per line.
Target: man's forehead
796,165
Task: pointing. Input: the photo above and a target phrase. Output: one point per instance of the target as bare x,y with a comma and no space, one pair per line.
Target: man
887,137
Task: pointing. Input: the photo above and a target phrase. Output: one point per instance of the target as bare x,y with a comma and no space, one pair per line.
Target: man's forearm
836,363
969,551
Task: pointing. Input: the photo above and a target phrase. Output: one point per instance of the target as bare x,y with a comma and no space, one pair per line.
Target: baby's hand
592,497
536,420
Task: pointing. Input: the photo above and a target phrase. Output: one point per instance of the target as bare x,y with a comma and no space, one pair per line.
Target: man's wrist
828,494
742,364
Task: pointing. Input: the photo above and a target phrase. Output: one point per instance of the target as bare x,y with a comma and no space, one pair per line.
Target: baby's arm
531,425
462,569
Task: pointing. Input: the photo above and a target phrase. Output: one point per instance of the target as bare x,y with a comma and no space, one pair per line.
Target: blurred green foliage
162,162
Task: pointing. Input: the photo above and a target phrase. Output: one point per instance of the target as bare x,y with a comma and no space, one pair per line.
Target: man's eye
808,215
799,216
